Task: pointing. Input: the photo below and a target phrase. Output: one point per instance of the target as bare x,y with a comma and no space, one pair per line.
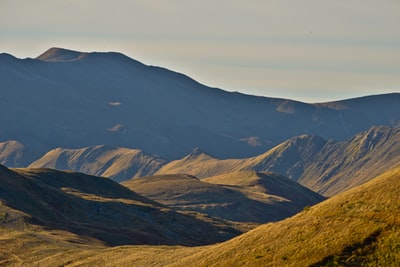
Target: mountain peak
56,54
196,152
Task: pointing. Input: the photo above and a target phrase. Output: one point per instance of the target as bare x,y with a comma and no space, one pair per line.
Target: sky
309,50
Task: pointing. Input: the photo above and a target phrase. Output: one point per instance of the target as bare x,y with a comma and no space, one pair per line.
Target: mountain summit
60,55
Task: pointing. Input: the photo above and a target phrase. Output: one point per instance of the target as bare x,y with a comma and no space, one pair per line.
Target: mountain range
106,161
325,166
73,99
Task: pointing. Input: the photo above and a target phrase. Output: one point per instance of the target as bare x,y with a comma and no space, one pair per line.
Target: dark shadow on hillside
104,210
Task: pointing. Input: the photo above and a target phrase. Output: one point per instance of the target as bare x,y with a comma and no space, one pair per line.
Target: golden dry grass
360,227
245,196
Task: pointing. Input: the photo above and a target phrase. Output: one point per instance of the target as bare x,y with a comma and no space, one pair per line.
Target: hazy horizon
313,51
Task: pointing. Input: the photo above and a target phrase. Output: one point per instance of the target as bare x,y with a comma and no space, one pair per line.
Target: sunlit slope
327,167
245,196
263,185
360,227
102,209
11,153
355,228
343,165
113,162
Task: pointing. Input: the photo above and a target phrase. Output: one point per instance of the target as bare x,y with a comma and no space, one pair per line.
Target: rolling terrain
101,209
108,161
244,196
254,160
74,99
360,227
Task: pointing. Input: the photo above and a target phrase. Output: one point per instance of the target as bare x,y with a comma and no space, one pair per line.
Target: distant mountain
98,208
327,167
11,153
339,166
243,196
72,99
113,162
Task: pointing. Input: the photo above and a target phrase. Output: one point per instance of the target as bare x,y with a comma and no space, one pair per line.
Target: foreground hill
74,99
360,227
327,167
102,209
243,197
108,161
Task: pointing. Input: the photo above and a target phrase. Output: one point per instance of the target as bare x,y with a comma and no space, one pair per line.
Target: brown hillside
326,167
102,209
11,153
243,197
360,227
116,163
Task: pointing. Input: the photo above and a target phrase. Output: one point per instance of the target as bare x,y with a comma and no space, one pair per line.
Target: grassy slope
202,166
245,196
359,227
326,167
103,209
117,163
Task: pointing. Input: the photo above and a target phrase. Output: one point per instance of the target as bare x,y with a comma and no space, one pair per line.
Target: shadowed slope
116,163
100,208
267,197
74,99
360,227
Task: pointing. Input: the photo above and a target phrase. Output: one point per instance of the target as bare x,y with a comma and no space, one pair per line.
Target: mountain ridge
113,162
326,167
130,104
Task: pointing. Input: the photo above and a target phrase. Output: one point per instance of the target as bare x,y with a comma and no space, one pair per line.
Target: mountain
286,158
72,99
327,167
339,166
11,153
103,210
242,197
360,227
113,162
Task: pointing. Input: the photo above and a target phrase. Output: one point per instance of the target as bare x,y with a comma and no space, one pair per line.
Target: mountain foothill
106,161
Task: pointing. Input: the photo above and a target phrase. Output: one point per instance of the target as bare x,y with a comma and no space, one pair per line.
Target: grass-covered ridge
360,227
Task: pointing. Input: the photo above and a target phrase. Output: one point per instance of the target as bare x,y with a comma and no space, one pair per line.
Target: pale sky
307,50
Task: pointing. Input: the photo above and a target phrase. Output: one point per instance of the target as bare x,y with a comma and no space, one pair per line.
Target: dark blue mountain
71,99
